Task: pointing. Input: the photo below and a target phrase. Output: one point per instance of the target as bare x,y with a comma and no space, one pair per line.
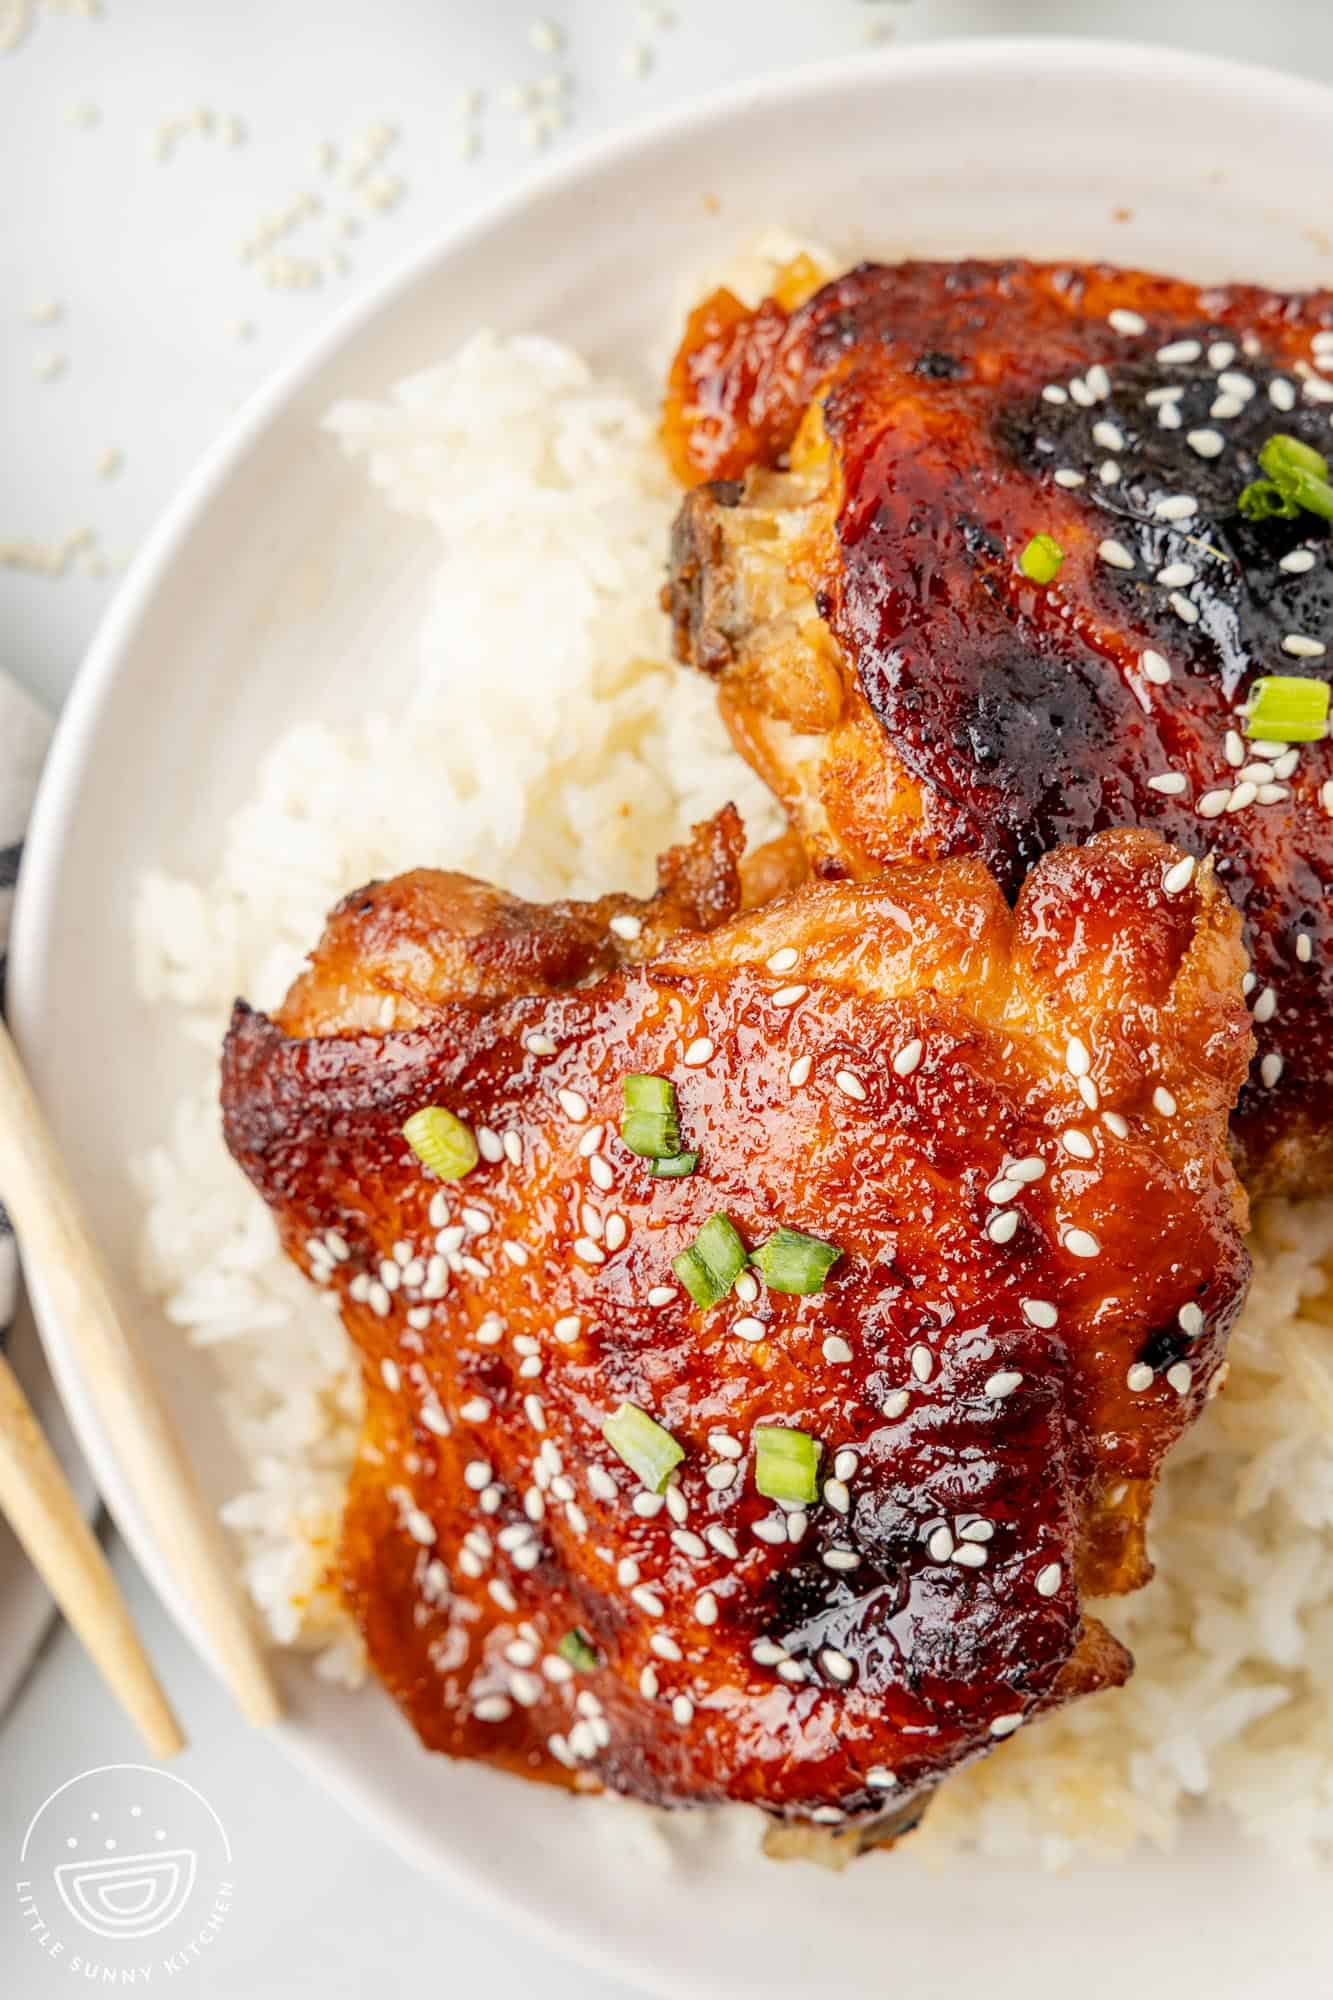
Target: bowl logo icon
125,1870
132,1897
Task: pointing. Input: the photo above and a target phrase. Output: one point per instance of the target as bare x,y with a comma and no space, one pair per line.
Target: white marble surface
143,258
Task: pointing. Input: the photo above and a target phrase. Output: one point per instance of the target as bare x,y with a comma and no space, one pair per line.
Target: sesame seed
1108,471
1001,1228
1116,554
836,1350
1081,1243
1226,406
1081,393
582,1741
502,1595
1155,668
923,1362
1236,385
1184,610
1069,479
1233,748
837,1666
392,1380
601,1484
600,1173
626,927
574,1105
648,1683
837,1496
661,1295
1163,1101
1039,1312
767,1652
771,1531
1078,1143
1026,1170
896,1403
1179,875
1122,320
476,1474
1179,351
1326,795
377,1298
1003,1382
539,1045
1053,393
722,1540
1281,394
1180,1375
969,1556
1048,1579
880,1779
590,1141
617,1229
1304,948
907,1058
1139,1377
748,1329
1098,381
689,1543
845,1464
1270,1069
719,1477
513,1147
1003,1190
842,1560
1221,354
699,1052
705,1608
1207,443
1265,1006
791,1670
799,1072
419,1526
492,1708
787,996
1005,1725
1302,648
784,960
1242,795
664,1646
682,1710
1156,398
1169,783
1108,435
725,1445
850,1085
567,1328
476,1410
588,1251
1115,1123
1212,804
1298,562
747,1287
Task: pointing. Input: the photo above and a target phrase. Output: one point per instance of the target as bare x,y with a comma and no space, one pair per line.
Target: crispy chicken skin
1012,1125
875,460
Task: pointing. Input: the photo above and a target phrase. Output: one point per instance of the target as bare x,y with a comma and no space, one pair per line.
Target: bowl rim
1119,62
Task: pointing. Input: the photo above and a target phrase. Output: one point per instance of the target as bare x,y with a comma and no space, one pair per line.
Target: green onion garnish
1297,478
786,1464
1287,708
441,1142
646,1448
1041,559
675,1168
713,1262
578,1649
790,1262
649,1124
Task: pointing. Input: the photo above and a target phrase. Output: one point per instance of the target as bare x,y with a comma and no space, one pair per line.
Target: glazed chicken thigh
996,1138
869,468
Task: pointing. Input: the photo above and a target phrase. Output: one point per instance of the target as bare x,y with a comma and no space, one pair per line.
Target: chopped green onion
713,1262
790,1262
1287,708
441,1142
1041,559
1297,478
675,1168
786,1464
646,1448
578,1649
649,1124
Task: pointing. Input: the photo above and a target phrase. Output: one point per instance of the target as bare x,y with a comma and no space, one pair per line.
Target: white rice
574,793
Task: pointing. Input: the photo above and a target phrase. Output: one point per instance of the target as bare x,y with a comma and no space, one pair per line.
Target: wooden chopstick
36,1500
55,1242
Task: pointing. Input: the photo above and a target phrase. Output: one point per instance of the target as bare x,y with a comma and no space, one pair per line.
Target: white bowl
273,581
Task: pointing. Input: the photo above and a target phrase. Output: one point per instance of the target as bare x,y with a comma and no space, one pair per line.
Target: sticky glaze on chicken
1012,1127
880,457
